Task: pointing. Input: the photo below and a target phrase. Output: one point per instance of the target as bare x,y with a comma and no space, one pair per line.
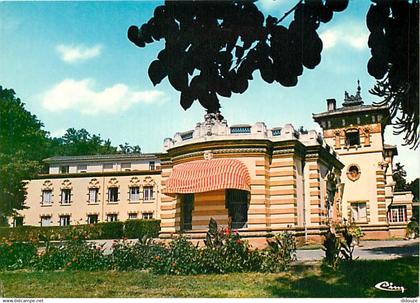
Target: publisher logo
389,286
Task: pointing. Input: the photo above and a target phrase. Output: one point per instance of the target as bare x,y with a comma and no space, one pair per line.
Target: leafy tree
212,49
414,188
23,145
81,142
399,176
128,149
394,44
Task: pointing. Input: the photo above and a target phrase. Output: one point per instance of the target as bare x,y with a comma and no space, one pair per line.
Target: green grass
356,280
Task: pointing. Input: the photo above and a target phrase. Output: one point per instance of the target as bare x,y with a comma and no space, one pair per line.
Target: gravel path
369,250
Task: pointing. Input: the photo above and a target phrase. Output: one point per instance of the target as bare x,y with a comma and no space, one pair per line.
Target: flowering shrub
224,252
281,251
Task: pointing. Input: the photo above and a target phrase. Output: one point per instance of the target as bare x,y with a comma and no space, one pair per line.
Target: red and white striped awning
208,175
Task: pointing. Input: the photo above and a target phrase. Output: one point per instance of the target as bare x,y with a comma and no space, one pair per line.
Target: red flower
227,232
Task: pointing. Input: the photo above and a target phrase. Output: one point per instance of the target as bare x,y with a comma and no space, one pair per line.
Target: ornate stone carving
66,184
47,185
94,183
134,182
113,182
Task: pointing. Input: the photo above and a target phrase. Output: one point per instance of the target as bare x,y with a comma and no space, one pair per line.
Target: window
148,193
64,169
17,221
132,216
126,166
134,193
64,220
397,213
358,212
147,216
113,194
237,205
92,219
152,165
93,195
240,130
82,168
112,217
47,196
45,220
66,196
352,138
187,206
108,166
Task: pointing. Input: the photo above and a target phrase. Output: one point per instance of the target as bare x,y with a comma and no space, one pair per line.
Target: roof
107,157
350,109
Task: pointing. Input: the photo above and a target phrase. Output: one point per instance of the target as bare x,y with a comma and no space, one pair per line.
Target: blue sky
73,66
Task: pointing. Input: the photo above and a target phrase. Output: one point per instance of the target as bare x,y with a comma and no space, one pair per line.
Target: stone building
256,179
356,132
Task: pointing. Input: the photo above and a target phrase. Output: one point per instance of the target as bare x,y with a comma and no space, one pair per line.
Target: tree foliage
81,142
394,44
399,175
23,144
212,48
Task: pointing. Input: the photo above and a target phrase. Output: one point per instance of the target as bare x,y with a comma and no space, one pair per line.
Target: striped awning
208,175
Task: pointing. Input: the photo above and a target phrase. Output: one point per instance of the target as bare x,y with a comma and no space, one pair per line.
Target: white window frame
65,199
45,222
133,216
148,193
93,198
44,196
357,209
65,220
90,216
147,215
397,213
112,217
134,196
110,190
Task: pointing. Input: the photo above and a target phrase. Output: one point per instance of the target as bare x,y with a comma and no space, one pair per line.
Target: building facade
249,177
356,132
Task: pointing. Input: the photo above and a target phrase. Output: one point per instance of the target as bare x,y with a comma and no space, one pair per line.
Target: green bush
16,255
137,229
73,254
110,230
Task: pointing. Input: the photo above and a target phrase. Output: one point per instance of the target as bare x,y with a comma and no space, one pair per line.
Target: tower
356,132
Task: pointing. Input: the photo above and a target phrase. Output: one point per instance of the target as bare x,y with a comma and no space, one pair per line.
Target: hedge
136,229
110,230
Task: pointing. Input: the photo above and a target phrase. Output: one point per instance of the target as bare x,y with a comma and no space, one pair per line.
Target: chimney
331,104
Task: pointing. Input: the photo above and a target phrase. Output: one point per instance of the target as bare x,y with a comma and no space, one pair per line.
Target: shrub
137,229
16,255
413,229
331,246
110,230
281,251
74,254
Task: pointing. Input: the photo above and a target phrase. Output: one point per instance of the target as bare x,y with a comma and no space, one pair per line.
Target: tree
128,149
394,44
80,142
22,146
399,176
212,49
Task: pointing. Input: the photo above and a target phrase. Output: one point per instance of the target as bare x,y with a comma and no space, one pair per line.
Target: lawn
357,280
